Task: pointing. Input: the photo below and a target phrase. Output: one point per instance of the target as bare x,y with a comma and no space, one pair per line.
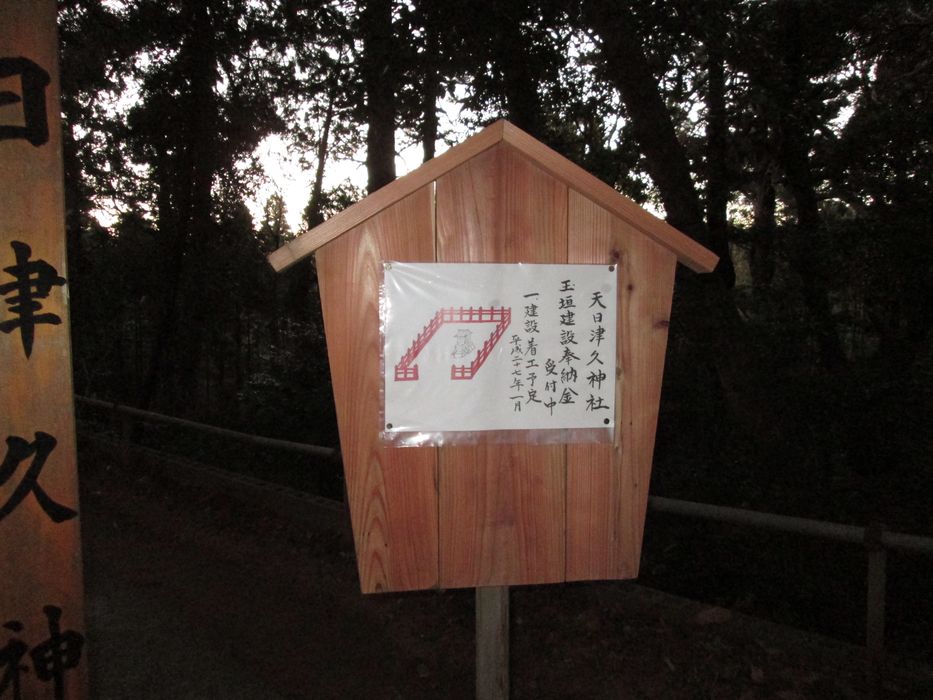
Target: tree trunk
519,83
794,138
713,323
185,204
76,203
666,159
430,91
314,216
717,175
314,209
238,344
379,78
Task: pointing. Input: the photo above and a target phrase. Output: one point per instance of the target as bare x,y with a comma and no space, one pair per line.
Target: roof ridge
687,250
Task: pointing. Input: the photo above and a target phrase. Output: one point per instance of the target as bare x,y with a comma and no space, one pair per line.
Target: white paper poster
498,347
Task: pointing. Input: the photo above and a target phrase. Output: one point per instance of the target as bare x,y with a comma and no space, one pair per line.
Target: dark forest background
792,137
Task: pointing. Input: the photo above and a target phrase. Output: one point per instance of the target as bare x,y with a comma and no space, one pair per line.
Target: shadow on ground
195,594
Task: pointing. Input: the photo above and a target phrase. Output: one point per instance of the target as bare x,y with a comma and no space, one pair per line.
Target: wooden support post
122,426
875,602
492,643
42,629
126,441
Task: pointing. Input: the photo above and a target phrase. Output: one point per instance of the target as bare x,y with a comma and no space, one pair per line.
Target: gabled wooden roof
688,251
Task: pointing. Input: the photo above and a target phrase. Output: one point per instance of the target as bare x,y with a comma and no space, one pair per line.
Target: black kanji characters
568,357
19,450
33,80
595,403
597,335
596,378
32,280
572,343
597,300
51,658
10,657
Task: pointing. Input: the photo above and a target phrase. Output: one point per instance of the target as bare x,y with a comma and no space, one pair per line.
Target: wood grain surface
392,491
607,485
501,506
497,514
40,559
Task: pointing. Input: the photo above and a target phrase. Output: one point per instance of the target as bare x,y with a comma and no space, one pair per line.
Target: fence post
492,643
123,432
875,601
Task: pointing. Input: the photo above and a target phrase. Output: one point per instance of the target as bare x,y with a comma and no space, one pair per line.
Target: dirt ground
195,594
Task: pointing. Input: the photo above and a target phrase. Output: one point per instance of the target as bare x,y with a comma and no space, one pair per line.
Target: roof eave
687,250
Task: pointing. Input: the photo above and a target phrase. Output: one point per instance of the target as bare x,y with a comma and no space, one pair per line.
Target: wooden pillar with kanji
41,591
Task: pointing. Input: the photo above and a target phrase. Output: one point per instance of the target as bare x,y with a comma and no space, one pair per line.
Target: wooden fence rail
875,538
119,410
839,532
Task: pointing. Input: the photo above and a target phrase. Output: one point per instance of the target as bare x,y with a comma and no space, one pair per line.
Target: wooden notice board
41,596
496,514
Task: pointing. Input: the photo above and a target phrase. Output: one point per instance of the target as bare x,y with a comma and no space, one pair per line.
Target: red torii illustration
405,371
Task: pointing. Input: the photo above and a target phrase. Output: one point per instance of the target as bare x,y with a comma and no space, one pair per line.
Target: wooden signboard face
495,514
41,596
392,492
501,506
607,485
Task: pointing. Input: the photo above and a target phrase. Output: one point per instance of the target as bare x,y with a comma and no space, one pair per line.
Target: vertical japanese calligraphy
32,280
33,81
580,349
39,450
51,657
41,644
596,365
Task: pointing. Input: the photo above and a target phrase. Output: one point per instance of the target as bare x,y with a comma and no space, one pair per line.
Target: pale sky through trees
286,176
